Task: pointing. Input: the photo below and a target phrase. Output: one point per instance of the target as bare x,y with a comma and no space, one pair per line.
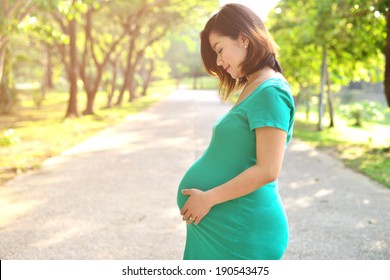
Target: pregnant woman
229,197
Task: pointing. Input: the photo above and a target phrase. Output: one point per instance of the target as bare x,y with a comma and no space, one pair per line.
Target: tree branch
3,40
9,11
62,50
57,16
5,8
26,10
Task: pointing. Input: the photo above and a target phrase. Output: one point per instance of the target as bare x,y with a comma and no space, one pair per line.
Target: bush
8,138
363,111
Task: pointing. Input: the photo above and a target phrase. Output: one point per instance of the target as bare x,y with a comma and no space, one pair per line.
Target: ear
243,40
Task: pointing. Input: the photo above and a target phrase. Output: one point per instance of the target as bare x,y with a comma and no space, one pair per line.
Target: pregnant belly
194,178
203,175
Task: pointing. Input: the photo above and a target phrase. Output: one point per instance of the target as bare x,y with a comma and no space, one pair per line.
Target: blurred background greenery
69,68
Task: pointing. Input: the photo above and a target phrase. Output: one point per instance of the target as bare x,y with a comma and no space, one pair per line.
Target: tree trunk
8,93
387,56
48,67
92,91
87,79
132,90
47,81
72,110
3,88
195,82
126,73
91,83
115,70
330,100
132,84
322,89
306,99
90,103
3,47
147,78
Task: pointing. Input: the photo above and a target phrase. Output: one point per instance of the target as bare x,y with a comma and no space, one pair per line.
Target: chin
236,76
233,76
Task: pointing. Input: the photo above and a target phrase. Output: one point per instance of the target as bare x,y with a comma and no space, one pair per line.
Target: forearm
243,184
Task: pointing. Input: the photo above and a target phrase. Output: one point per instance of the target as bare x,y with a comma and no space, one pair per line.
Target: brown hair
232,20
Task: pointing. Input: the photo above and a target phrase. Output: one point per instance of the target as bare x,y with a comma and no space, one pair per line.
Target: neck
260,74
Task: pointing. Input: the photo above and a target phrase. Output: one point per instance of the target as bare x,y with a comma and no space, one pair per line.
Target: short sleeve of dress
273,106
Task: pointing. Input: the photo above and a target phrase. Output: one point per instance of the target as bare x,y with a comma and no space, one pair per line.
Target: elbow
269,175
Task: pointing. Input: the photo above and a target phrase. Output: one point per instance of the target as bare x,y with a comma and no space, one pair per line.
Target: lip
227,68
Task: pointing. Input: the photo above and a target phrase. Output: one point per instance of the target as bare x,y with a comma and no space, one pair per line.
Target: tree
59,21
66,14
147,25
153,65
98,48
327,28
12,12
185,44
96,39
144,27
370,25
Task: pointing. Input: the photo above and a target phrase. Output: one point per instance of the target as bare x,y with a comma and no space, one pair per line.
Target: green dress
253,226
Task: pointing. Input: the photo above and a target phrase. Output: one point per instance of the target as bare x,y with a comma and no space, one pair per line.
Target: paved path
114,196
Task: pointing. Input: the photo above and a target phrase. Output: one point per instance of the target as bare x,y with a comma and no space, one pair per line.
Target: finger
183,210
186,216
197,220
190,220
186,192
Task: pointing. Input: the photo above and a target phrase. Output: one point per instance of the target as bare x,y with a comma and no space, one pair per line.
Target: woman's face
230,53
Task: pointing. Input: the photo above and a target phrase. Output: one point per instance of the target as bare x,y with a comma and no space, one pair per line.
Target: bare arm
270,143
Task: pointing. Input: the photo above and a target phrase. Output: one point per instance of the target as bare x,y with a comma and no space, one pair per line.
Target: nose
219,61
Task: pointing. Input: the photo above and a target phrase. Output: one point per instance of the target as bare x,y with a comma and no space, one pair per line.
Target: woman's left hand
196,207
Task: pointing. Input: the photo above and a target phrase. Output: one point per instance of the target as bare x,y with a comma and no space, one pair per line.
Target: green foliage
363,111
352,31
9,138
185,45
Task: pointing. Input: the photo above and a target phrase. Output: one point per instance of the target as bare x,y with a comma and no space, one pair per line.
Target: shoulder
276,88
277,83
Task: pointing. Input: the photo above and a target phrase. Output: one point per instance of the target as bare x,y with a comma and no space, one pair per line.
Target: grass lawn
35,134
365,149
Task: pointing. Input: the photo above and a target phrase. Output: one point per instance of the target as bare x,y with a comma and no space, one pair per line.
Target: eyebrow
215,45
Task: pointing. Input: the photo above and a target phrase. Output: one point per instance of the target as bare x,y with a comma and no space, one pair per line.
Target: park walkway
114,195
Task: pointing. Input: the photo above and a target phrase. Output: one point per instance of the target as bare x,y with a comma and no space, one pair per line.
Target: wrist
212,197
